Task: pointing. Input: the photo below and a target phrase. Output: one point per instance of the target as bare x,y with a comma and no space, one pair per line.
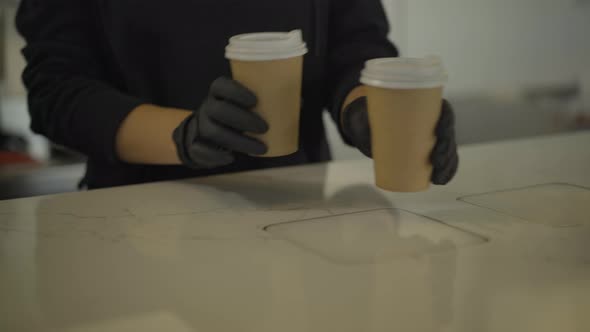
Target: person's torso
168,53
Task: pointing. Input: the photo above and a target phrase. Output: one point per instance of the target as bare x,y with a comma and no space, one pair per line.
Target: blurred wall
497,46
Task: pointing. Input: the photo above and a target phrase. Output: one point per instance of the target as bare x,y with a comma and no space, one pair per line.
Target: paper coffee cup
270,64
405,101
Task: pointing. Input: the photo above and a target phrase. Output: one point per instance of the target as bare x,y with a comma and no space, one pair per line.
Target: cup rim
264,46
405,73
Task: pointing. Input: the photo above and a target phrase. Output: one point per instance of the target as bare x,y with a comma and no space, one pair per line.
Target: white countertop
505,247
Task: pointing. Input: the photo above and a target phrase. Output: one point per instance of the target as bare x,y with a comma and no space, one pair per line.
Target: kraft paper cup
405,101
270,64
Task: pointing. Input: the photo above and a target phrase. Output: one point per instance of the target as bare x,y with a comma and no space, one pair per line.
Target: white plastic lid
405,73
266,46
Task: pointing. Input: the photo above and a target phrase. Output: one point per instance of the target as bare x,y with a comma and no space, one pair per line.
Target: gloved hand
444,156
212,134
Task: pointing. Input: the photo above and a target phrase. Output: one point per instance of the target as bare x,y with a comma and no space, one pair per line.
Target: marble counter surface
505,247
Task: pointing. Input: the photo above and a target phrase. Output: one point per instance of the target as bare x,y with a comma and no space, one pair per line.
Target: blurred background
518,68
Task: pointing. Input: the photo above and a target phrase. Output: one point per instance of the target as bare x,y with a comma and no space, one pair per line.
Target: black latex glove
211,135
444,156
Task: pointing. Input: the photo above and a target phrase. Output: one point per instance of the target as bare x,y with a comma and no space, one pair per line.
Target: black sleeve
70,100
358,32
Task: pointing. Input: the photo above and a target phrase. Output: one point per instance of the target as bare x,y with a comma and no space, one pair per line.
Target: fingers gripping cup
405,101
271,65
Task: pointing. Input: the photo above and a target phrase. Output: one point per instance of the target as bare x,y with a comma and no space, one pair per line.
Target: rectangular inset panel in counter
555,205
374,236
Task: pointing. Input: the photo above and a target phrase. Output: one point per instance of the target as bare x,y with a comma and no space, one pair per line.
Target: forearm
145,137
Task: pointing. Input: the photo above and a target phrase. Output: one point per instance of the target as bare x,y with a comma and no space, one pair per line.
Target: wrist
355,125
354,95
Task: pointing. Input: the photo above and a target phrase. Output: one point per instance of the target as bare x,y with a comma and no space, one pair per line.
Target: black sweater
91,62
